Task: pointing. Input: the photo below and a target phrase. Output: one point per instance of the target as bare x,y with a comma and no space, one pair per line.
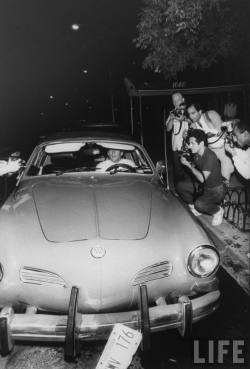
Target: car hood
110,209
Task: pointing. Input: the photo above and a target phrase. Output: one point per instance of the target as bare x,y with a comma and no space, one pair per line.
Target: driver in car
114,157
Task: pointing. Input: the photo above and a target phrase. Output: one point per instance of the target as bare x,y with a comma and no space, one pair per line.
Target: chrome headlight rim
196,250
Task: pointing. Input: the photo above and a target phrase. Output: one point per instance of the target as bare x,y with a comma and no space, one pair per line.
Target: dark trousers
208,202
180,172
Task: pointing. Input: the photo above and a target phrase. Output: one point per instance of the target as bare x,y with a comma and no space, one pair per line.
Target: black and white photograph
124,184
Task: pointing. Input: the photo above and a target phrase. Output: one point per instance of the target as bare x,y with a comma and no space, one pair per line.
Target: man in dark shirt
205,169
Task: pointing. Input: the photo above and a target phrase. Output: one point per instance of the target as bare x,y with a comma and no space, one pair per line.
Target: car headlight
1,272
203,261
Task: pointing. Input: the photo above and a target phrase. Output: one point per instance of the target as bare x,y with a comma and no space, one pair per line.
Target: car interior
85,158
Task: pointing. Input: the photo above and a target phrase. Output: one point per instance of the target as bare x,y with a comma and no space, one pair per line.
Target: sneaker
194,211
218,217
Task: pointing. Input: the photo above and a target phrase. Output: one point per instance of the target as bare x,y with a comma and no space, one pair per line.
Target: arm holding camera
200,176
241,159
170,122
10,166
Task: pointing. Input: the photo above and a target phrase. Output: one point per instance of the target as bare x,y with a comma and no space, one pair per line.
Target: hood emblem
98,252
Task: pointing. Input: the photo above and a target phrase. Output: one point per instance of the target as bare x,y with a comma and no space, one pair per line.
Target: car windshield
69,157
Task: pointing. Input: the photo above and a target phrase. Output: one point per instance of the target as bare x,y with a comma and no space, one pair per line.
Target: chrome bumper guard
45,327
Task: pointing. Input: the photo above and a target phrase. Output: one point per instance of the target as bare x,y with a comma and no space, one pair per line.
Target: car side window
128,155
140,161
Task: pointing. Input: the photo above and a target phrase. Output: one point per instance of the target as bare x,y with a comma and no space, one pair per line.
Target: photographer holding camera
211,123
178,123
205,168
10,166
240,155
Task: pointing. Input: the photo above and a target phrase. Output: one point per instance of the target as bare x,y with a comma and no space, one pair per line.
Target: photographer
178,123
211,123
10,166
205,168
241,155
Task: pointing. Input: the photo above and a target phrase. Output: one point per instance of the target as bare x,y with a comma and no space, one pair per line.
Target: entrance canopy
136,96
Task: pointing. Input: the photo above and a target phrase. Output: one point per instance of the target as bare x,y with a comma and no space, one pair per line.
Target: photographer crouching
241,154
205,169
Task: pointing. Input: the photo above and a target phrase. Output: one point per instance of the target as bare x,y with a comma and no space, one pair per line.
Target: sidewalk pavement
234,248
233,245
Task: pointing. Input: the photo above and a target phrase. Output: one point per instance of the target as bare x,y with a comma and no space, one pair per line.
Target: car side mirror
162,171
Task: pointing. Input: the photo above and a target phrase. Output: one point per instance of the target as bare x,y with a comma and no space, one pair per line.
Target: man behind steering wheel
114,157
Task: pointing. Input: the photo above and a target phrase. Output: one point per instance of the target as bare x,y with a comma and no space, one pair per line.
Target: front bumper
44,327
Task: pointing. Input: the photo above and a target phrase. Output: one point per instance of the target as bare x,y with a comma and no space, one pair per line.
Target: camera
15,156
179,112
186,152
228,127
187,155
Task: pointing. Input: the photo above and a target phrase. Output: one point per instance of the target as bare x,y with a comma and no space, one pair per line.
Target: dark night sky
41,56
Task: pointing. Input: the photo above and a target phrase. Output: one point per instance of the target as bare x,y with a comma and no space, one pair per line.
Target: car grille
41,277
152,272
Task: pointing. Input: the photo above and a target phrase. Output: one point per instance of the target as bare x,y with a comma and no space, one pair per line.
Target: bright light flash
75,27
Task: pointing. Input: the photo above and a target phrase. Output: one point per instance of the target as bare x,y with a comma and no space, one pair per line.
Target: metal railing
237,207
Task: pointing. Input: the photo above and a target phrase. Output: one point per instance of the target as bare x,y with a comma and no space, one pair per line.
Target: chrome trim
197,249
45,327
153,272
1,272
98,252
41,277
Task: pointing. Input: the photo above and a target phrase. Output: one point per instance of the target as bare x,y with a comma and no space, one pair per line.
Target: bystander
241,155
10,166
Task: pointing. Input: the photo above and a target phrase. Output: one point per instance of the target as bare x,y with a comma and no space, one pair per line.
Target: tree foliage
177,34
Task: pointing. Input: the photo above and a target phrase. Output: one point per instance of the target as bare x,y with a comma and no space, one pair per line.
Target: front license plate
120,348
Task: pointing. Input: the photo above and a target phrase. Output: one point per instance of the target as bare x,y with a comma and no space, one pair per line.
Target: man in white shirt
210,122
114,157
241,156
178,123
9,166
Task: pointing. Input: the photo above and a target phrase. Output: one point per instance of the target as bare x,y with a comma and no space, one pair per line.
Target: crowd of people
206,151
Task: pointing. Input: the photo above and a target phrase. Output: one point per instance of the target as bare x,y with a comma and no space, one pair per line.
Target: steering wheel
115,167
